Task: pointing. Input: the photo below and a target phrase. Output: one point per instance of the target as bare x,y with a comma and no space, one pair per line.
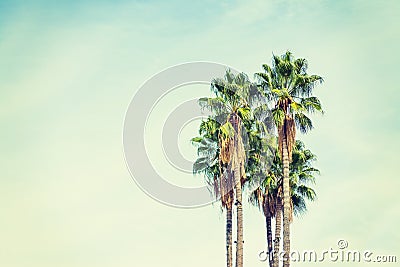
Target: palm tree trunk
237,175
286,204
229,235
238,189
278,225
269,237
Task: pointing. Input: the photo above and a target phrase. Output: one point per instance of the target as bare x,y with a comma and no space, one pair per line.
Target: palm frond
303,123
312,104
304,84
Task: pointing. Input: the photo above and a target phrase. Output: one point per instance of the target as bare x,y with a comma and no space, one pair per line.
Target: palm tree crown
288,86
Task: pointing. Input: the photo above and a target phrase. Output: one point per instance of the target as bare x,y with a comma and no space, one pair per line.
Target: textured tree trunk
237,167
278,225
229,235
238,189
286,204
269,237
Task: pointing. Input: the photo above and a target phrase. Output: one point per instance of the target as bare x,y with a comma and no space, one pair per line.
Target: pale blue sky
68,70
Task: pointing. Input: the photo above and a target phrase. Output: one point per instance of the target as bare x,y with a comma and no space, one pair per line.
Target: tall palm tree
231,108
290,88
209,164
268,196
302,176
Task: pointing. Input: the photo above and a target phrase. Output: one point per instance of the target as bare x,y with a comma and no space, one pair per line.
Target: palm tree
209,164
290,88
231,109
268,196
264,195
302,176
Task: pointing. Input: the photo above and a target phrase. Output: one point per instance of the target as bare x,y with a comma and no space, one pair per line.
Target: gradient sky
68,70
